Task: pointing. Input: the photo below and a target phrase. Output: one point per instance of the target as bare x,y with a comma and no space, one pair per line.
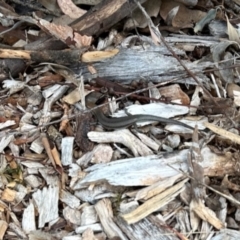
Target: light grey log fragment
145,171
142,171
47,204
152,64
67,151
28,220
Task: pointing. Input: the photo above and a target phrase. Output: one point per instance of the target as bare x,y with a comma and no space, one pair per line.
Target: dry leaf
66,34
175,94
70,9
185,17
152,7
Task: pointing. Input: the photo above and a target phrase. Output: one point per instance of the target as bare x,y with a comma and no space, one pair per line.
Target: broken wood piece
17,230
222,132
158,230
155,188
206,214
46,201
124,137
3,228
97,56
69,199
28,222
154,203
136,171
148,141
63,57
103,16
72,215
67,151
152,63
105,214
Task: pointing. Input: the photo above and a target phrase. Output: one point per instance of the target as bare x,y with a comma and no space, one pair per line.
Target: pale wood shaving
71,200
89,215
124,137
67,150
28,222
206,214
156,188
72,215
47,203
154,203
3,228
104,211
97,227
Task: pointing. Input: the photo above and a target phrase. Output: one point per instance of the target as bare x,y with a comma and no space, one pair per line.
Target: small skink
124,122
